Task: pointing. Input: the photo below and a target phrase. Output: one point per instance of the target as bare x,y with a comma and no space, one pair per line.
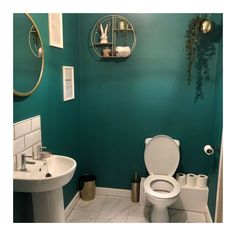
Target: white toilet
161,158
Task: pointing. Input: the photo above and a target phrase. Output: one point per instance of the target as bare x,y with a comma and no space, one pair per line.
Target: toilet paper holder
209,150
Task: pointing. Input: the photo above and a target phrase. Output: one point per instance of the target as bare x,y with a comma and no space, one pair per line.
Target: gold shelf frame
114,19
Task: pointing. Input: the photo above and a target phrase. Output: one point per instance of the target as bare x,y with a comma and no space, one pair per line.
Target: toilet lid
161,155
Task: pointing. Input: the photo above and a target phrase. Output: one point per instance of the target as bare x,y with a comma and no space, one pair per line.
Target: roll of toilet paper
181,178
208,150
202,181
191,180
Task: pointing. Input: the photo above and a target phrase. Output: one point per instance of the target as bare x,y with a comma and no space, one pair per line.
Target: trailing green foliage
199,48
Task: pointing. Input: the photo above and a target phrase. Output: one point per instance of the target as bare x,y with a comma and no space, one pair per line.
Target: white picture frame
55,26
68,83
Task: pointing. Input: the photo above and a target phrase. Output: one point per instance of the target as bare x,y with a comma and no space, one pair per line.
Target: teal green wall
120,103
125,102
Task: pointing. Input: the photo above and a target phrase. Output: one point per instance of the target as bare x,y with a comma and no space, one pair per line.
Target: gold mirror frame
24,94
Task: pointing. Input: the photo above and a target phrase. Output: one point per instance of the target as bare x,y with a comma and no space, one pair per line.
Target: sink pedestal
48,206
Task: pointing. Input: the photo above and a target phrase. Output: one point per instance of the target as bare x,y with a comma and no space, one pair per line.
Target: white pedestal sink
47,194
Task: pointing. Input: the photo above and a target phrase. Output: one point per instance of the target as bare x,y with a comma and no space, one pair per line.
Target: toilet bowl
161,158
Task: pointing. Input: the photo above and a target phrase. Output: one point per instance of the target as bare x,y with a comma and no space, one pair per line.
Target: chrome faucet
23,162
42,154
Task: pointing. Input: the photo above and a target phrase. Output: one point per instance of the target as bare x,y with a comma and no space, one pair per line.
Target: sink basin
45,179
60,168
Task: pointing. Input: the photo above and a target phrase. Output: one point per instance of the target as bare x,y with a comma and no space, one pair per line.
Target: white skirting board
116,192
71,205
208,215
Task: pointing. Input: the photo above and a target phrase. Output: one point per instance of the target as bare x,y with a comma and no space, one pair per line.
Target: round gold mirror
28,55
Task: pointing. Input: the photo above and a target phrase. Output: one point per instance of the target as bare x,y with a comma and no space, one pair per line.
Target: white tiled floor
120,209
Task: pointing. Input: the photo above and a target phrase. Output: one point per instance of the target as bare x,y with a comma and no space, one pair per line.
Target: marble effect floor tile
139,214
110,209
82,216
114,210
196,217
93,205
177,216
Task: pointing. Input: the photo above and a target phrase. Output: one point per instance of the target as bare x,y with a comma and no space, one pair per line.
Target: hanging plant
199,48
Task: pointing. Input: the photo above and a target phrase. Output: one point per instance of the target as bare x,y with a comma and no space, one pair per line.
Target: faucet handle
42,154
42,147
23,156
39,149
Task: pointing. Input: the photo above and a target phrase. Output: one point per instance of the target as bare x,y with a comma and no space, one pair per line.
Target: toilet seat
165,178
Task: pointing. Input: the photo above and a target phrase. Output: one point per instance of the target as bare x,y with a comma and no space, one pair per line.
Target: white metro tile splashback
32,138
27,135
22,128
36,123
18,145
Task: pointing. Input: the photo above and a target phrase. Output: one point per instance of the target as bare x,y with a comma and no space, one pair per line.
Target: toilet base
159,215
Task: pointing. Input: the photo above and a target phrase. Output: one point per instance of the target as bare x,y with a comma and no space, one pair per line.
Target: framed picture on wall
55,27
68,83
